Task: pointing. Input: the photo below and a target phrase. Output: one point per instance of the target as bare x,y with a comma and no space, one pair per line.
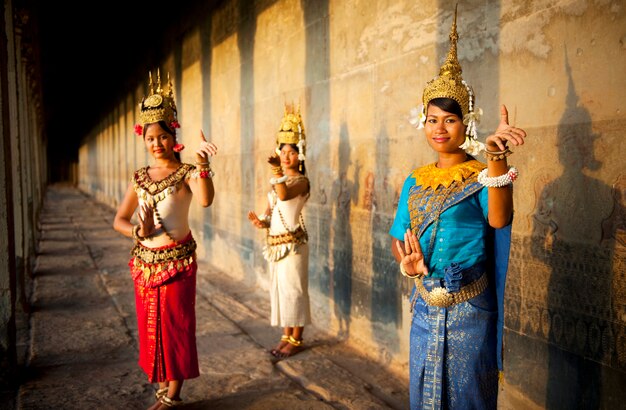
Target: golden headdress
159,105
292,131
450,84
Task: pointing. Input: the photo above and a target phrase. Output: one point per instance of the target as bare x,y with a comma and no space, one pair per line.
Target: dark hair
448,105
171,131
295,147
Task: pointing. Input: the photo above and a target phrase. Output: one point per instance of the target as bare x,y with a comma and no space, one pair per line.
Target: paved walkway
83,336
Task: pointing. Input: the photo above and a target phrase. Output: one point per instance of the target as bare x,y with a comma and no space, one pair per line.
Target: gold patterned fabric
437,189
299,236
151,267
157,190
430,176
453,360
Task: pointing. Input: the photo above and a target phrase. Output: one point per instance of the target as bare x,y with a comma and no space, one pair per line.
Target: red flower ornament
138,129
178,147
174,124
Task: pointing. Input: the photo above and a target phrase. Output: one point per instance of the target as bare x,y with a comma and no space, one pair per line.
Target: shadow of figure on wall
342,195
318,211
386,290
246,35
566,239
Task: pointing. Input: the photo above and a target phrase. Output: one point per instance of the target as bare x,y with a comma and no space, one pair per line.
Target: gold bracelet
135,233
497,155
405,273
277,170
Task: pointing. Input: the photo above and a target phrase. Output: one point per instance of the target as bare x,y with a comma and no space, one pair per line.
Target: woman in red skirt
163,263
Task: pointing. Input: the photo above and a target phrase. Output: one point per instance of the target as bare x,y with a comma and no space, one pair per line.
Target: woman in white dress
287,250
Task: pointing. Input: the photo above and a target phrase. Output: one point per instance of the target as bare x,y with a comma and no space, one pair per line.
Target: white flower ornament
472,146
417,117
473,116
301,145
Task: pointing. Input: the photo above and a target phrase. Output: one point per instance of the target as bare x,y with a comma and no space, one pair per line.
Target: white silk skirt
289,289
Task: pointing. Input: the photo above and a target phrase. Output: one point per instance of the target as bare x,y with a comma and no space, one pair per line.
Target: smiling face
289,157
444,130
159,142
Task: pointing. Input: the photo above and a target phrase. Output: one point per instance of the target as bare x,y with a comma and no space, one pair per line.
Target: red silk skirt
166,321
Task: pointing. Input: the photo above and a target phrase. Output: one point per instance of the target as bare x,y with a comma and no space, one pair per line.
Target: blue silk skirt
453,351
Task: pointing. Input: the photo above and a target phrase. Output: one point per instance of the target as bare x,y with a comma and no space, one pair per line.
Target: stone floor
82,348
80,343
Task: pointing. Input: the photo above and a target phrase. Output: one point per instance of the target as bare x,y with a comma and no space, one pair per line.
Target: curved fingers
416,249
212,149
400,250
504,115
497,139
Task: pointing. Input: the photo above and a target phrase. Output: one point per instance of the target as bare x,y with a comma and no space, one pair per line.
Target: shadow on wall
342,194
245,40
386,289
206,60
585,338
317,117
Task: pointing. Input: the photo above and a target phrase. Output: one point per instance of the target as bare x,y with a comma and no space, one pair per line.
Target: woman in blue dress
451,234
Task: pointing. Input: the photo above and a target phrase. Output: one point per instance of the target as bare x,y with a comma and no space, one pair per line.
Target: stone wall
357,67
23,177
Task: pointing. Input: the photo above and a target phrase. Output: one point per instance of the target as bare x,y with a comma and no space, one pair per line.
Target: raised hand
273,160
256,221
412,258
146,221
505,134
205,150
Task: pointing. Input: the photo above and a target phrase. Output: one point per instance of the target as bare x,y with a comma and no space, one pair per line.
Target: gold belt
154,256
440,297
298,236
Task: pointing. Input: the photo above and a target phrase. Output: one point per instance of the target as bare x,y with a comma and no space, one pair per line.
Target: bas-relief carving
614,234
573,309
566,279
369,195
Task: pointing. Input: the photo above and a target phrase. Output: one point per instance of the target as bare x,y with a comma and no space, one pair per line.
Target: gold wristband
135,233
406,274
497,155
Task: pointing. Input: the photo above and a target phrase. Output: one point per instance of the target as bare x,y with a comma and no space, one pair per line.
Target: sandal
297,347
161,392
275,351
170,402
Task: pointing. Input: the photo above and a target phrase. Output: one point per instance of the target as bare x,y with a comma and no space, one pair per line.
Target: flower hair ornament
292,131
450,84
158,106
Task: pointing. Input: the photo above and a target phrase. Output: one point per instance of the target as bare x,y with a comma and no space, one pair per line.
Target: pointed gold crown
449,83
291,127
292,131
159,105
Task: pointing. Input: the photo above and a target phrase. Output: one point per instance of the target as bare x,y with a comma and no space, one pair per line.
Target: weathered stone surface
357,68
83,346
332,383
